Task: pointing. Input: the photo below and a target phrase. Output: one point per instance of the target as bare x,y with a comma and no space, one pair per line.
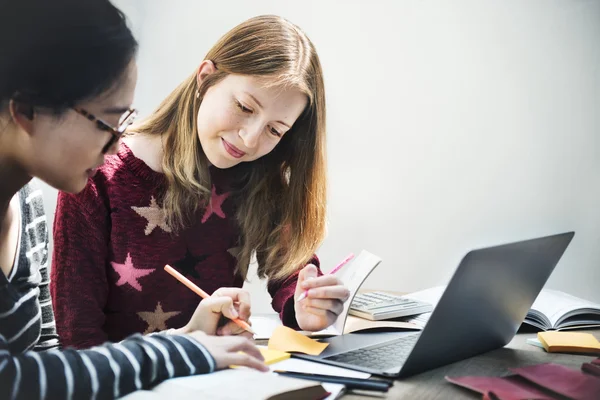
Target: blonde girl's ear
206,68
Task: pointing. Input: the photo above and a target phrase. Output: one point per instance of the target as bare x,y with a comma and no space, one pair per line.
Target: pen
194,288
350,383
333,271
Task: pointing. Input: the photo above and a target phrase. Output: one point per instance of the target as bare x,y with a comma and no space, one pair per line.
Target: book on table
552,310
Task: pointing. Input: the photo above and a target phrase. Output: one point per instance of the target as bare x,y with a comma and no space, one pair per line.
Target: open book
353,275
242,383
552,310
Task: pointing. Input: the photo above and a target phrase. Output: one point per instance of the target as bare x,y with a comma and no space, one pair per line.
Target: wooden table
432,385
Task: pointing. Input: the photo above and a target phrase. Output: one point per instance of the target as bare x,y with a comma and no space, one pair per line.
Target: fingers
237,294
307,273
245,360
325,280
221,305
321,313
244,311
246,346
240,297
245,334
334,306
338,292
232,329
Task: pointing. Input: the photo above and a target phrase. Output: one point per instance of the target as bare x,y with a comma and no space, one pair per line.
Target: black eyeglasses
124,122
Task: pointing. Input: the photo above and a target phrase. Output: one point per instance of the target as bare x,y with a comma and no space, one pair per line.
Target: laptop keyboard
380,357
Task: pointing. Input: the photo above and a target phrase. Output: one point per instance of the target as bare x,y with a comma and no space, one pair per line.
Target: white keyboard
378,305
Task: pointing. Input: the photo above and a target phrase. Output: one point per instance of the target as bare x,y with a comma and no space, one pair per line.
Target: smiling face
240,119
66,150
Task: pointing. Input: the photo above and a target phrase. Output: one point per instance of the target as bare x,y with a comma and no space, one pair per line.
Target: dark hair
56,53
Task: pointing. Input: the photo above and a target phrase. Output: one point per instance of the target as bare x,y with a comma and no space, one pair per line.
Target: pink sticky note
512,387
560,379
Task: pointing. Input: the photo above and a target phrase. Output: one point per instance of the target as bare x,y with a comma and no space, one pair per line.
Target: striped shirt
32,366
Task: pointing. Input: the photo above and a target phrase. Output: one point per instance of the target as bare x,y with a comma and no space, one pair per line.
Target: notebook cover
512,387
560,379
592,369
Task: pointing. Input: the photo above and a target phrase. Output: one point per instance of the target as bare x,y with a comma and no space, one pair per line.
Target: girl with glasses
67,77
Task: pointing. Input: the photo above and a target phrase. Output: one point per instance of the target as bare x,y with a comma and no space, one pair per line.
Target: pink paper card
512,387
560,379
592,369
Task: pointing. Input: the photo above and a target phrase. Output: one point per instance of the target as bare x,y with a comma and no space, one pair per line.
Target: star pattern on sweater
155,216
187,265
128,274
216,201
157,320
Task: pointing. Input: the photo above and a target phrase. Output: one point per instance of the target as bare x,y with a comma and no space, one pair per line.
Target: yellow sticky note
273,356
288,340
569,342
270,356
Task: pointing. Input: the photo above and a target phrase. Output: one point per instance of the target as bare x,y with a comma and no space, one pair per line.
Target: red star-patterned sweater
111,243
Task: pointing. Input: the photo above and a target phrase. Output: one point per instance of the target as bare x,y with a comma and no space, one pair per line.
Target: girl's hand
214,314
231,350
325,300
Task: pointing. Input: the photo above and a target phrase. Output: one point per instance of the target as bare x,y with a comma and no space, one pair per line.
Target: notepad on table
569,342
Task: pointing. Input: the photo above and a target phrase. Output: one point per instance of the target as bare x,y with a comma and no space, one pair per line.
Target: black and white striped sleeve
102,372
48,336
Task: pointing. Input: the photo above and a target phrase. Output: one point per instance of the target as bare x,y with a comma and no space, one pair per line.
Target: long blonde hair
282,195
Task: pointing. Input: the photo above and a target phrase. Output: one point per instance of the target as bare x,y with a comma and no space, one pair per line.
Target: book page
231,384
355,324
554,304
353,275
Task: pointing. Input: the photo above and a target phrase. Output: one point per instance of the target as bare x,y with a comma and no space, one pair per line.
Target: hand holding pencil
319,300
209,313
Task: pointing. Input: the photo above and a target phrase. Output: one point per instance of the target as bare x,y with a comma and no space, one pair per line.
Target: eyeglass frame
116,133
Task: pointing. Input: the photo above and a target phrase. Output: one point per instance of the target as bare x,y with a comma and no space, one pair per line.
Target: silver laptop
480,310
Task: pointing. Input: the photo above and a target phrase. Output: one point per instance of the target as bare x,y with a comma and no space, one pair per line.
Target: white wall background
451,125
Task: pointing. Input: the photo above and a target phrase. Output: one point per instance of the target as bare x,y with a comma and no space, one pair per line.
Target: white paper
431,295
263,325
353,275
333,388
298,365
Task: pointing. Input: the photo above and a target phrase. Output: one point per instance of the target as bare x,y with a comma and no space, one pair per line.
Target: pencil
194,288
333,271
